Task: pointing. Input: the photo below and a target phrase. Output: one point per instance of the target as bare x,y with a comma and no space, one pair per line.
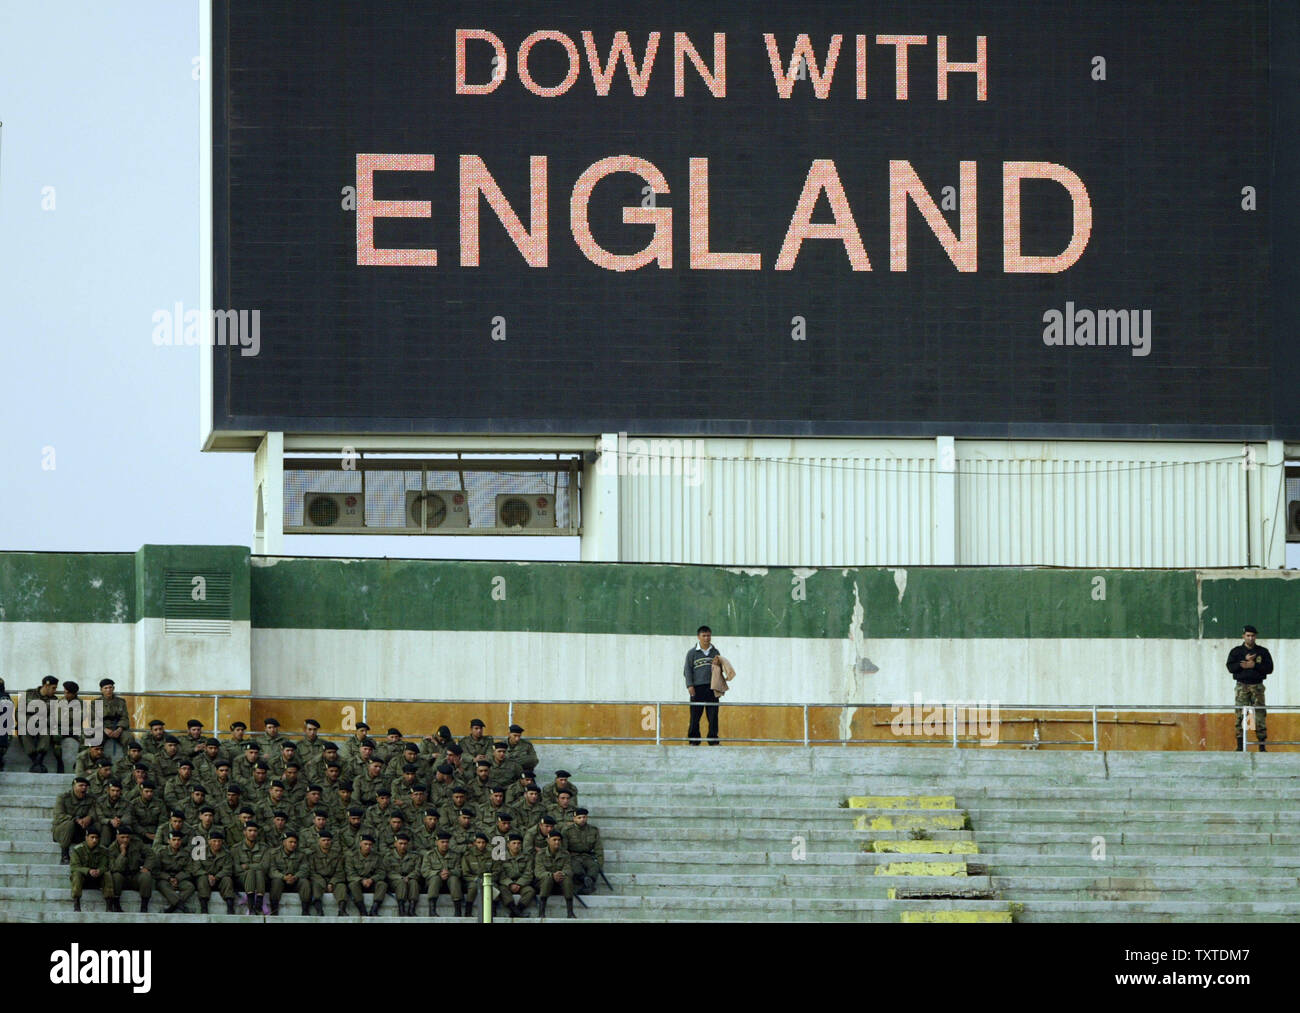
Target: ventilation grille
197,603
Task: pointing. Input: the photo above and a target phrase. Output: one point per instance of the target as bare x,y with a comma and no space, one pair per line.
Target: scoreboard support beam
945,501
268,496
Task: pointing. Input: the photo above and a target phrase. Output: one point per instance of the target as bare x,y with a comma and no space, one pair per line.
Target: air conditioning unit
517,510
1293,521
333,510
438,508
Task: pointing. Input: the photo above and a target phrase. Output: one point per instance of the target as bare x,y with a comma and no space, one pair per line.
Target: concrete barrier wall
467,631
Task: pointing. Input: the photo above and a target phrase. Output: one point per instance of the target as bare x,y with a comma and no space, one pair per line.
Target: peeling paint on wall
851,679
900,582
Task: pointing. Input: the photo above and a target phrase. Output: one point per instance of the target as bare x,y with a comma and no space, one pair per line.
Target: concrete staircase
755,834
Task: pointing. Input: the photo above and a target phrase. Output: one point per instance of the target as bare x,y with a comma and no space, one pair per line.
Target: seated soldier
424,836
74,814
481,785
111,812
244,765
311,746
130,864
216,871
168,761
586,850
367,873
441,869
328,870
350,834
551,793
310,837
520,788
477,745
552,869
520,749
89,868
285,755
134,783
176,792
250,856
475,863
403,868
174,872
462,833
287,870
147,812
535,839
377,815
351,751
100,778
504,771
514,878
153,742
449,815
563,810
233,748
529,810
195,741
162,835
86,763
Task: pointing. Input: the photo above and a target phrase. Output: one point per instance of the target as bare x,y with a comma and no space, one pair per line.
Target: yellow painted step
914,917
907,821
925,847
921,869
903,802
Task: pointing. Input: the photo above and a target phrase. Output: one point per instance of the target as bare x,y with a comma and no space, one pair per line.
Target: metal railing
948,723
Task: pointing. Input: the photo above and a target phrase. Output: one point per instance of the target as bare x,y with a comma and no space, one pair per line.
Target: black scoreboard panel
823,218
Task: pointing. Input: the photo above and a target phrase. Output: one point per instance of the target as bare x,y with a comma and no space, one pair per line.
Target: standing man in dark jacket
1250,664
698,673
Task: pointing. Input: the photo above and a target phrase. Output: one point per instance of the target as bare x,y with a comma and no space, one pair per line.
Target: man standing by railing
1250,664
699,674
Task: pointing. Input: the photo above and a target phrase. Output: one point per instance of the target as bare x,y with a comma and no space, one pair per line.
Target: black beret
146,784
246,809
381,792
394,731
345,786
238,724
314,787
222,763
334,765
216,835
459,789
517,728
410,746
261,765
290,833
113,782
271,721
483,763
293,765
454,748
71,687
362,724
106,682
288,744
480,836
562,773
505,816
199,788
252,823
368,741
124,831
356,810
251,744
368,837
554,833
327,746
234,789
104,761
193,723
445,768
206,809
277,784
155,723
410,768
547,818
580,811
402,835
176,835
312,722
321,812
444,731
80,780
325,835
515,837
419,786
279,814
176,813
1249,629
171,738
477,723
467,811
532,787
442,835
185,763
49,680
213,742
431,812
564,791
135,744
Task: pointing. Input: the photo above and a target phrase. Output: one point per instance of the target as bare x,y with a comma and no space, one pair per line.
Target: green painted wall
378,594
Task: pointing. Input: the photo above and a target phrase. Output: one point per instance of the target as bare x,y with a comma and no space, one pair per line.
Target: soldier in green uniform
124,769
197,801
535,839
206,822
134,785
116,719
111,812
174,871
481,786
529,810
195,741
286,754
287,870
216,872
434,747
175,821
462,831
233,748
328,871
514,878
403,867
366,786
168,760
502,827
275,802
338,803
320,771
329,779
477,744
206,760
228,813
351,751
37,705
377,815
405,782
385,835
176,790
153,742
350,833
460,774
147,812
424,833
130,864
441,869
74,815
487,821
563,810
367,872
309,748
517,790
295,789
504,771
250,857
354,767
448,815
586,850
244,767
520,749
100,778
309,837
390,747
87,762
473,864
218,780
440,790
89,868
68,742
258,790
553,868
551,793
409,756
271,738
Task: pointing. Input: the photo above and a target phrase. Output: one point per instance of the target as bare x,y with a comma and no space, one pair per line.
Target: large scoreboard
817,218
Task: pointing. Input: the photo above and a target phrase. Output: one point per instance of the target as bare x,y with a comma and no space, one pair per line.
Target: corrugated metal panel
798,510
1102,505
